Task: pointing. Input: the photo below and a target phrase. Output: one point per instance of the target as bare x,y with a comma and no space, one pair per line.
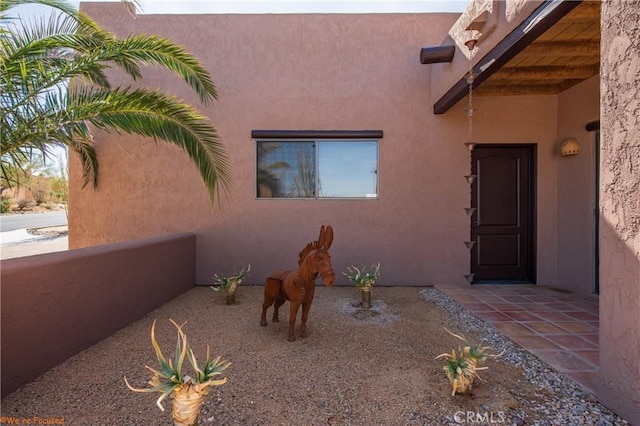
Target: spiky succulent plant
187,392
462,366
460,370
363,277
230,282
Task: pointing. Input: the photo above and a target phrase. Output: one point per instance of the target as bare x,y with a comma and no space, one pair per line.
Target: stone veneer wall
620,209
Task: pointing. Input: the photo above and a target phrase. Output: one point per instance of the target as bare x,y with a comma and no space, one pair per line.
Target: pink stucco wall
620,210
76,298
319,72
577,106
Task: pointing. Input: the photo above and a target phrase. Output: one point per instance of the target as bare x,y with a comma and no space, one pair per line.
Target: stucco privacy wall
620,209
76,298
577,106
320,72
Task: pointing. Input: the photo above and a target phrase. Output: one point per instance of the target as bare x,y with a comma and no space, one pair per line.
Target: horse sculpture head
315,256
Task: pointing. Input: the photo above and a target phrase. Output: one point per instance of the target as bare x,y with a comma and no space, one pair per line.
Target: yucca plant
187,392
462,366
230,284
364,279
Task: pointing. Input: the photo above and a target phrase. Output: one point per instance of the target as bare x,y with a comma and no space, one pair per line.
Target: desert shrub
5,204
39,197
24,204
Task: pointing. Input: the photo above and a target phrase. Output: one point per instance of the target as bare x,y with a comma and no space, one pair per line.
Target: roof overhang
552,49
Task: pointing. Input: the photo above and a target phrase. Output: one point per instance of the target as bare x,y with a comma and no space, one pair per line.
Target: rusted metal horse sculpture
298,287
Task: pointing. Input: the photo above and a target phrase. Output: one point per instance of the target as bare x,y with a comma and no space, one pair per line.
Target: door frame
532,168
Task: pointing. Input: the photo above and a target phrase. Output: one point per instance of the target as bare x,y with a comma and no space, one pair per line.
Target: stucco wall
76,298
320,72
576,187
620,209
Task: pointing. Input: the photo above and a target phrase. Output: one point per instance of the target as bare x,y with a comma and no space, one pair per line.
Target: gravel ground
357,367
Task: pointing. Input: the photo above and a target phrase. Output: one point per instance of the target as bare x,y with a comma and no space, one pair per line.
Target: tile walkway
560,328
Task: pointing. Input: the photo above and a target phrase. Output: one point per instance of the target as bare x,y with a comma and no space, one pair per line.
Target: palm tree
40,109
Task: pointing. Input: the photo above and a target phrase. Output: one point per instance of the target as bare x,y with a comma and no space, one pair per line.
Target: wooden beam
543,18
552,72
316,134
593,126
563,48
587,11
437,54
517,89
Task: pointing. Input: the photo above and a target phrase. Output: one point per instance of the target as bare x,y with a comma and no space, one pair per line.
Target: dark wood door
502,225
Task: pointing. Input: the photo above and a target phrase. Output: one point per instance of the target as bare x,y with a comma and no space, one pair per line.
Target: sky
293,6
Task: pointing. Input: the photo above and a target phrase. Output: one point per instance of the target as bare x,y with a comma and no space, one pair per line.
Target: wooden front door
503,223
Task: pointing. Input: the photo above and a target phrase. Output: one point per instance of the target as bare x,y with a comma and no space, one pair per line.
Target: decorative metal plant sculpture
230,284
364,279
462,366
187,392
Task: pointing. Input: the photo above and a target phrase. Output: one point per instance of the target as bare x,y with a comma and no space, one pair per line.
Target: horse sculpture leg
276,306
306,307
292,320
272,289
305,314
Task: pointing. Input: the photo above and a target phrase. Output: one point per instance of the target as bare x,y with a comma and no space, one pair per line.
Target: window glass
317,169
348,169
286,169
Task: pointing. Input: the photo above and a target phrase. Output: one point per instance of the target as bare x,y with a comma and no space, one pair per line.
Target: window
331,168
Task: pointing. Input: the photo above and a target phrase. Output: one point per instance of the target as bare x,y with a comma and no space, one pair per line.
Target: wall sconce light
569,146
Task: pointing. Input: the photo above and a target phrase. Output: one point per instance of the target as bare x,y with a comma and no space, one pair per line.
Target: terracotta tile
593,338
565,361
492,316
535,307
516,299
505,307
554,316
561,307
585,316
497,290
586,306
534,343
576,326
543,327
593,356
478,307
562,329
571,341
542,298
488,298
522,316
513,329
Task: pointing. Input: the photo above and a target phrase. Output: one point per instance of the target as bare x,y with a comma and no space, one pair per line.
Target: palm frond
40,109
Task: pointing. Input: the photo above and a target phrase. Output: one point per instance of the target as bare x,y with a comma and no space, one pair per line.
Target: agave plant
187,392
460,370
230,284
364,279
462,366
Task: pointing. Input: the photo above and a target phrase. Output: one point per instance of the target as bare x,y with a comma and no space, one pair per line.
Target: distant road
32,220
